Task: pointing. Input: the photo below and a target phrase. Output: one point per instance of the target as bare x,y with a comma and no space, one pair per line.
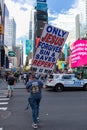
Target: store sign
11,54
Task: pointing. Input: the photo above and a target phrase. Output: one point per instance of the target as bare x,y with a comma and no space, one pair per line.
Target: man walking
34,86
10,82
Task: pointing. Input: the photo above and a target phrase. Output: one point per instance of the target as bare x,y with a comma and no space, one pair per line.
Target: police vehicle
61,81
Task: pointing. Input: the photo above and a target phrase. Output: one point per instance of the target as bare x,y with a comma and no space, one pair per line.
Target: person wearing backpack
10,82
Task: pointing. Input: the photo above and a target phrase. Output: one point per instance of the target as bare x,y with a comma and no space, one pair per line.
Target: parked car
61,81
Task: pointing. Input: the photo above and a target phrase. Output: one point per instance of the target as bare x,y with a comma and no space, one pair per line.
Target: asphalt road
58,111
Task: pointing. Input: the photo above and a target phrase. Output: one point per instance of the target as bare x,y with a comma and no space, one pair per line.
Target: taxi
61,81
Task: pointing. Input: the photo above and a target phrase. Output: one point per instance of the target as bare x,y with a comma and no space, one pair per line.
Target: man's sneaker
34,126
7,96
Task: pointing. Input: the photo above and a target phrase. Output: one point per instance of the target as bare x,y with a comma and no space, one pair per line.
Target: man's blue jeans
34,103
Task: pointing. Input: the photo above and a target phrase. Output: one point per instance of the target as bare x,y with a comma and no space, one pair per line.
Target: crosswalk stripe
2,96
3,103
3,108
3,99
2,90
1,128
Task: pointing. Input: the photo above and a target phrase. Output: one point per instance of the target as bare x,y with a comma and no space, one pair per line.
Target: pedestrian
34,86
24,77
10,82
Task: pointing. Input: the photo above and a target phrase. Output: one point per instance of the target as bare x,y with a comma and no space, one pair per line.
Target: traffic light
1,29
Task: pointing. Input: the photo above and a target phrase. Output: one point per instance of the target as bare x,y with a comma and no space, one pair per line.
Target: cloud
20,10
65,20
62,16
24,9
30,2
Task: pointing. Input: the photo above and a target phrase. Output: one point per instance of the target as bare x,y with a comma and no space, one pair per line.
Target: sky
20,10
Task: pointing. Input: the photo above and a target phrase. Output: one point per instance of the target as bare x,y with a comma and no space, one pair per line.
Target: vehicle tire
59,88
85,87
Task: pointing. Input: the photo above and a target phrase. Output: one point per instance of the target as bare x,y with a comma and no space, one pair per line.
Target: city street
58,111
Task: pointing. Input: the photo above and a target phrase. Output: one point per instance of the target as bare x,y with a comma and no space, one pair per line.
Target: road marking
3,108
3,103
1,128
3,99
3,90
3,96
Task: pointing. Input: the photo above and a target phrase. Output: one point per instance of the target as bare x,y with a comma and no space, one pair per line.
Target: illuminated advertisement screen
41,6
41,15
41,0
79,53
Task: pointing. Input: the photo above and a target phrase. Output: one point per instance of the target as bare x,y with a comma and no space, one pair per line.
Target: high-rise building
77,23
30,25
2,50
6,23
38,18
12,34
82,6
41,17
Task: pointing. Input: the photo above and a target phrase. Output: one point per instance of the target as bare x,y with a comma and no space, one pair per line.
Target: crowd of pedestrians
33,83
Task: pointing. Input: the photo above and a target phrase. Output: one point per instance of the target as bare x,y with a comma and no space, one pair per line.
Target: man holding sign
34,86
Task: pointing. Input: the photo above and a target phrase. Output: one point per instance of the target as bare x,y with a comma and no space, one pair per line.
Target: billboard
49,47
42,7
41,15
28,46
41,0
61,64
79,53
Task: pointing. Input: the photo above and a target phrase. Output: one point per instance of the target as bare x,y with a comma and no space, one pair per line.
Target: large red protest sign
49,47
79,53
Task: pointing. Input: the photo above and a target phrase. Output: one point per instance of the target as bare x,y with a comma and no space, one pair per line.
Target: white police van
60,81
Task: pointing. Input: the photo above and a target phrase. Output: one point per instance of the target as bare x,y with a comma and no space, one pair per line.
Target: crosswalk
3,102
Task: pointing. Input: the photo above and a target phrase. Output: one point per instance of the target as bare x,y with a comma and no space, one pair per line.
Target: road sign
11,54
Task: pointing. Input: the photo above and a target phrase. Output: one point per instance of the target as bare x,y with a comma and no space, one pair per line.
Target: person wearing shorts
10,83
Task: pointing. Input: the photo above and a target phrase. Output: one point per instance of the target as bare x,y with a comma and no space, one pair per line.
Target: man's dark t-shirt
11,80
